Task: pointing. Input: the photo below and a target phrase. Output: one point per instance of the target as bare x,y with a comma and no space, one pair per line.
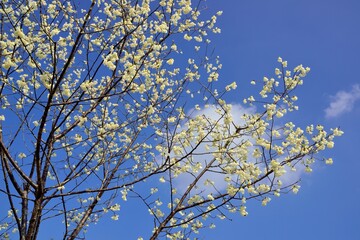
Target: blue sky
324,35
321,34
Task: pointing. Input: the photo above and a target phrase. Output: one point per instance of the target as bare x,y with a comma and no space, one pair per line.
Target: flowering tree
99,99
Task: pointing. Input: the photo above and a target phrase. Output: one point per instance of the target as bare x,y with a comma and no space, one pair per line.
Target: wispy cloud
202,155
343,102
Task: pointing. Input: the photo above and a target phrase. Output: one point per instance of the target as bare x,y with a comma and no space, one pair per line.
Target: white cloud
201,155
343,102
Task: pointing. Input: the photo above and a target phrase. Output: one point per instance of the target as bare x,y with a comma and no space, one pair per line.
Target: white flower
78,138
110,59
170,61
277,71
141,89
54,32
265,201
8,63
243,211
337,132
187,37
329,161
46,79
295,189
171,119
233,85
210,197
174,47
115,207
187,9
330,144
